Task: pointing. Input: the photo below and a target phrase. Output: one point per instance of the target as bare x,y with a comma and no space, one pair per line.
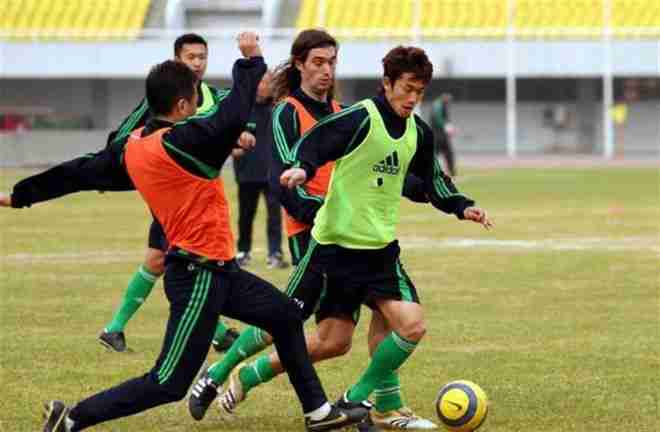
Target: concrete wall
47,147
481,130
359,59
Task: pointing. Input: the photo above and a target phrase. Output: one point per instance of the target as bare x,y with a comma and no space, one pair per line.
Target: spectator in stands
443,130
252,173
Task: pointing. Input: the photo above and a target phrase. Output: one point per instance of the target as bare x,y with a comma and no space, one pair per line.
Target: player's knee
414,331
333,347
155,263
339,347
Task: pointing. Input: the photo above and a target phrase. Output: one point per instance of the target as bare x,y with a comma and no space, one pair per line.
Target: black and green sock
391,353
249,343
138,290
258,372
388,393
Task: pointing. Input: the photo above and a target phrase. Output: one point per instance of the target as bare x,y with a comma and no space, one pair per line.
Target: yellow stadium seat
73,19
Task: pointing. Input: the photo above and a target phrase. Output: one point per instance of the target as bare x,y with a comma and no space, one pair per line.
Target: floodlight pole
608,82
417,21
511,120
320,14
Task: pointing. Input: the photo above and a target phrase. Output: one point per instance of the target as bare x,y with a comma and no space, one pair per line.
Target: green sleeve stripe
129,124
439,183
325,120
304,195
208,170
280,139
353,143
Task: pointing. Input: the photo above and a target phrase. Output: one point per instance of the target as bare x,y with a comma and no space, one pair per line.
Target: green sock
388,357
256,373
137,292
220,331
249,343
388,393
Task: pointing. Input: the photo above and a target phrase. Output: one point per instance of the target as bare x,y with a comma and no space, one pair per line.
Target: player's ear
387,84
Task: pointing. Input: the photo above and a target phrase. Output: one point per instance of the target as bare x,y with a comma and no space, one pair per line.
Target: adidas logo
389,165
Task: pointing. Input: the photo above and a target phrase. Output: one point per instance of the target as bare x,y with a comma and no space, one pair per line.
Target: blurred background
525,78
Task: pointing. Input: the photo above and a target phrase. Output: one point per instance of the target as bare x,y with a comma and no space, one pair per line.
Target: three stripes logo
389,165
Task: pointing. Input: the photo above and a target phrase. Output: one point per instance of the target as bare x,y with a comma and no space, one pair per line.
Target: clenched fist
248,44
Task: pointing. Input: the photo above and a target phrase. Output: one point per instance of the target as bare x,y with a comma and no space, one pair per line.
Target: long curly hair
286,77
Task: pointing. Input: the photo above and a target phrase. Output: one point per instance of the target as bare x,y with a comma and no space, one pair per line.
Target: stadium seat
550,19
73,19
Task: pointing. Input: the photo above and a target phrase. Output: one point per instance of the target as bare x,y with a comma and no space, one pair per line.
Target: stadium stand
487,18
73,19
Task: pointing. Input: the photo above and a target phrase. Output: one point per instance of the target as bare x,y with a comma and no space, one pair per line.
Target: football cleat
227,341
55,416
234,393
337,418
201,396
113,341
402,418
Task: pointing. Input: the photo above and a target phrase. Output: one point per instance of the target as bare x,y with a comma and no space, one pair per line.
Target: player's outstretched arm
100,171
440,189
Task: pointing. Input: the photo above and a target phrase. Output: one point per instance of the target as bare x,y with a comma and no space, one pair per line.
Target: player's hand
246,141
5,200
237,153
293,177
478,215
248,43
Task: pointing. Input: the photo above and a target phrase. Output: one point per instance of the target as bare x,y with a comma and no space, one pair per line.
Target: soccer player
183,155
252,169
353,246
192,50
442,130
102,171
305,83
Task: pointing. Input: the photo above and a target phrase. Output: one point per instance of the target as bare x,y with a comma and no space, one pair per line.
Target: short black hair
188,38
168,82
408,59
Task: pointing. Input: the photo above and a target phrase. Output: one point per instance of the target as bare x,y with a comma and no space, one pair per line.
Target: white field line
407,242
87,257
574,244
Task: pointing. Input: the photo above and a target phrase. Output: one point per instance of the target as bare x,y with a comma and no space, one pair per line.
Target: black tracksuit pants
248,200
197,296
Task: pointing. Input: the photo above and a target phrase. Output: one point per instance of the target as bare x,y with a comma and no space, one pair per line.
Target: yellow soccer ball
462,406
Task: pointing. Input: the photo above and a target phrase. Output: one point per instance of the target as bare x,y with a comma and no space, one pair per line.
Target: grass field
555,313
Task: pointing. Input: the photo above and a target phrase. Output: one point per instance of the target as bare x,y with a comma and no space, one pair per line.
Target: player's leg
304,287
253,340
256,302
332,338
396,298
139,288
274,229
193,293
248,200
389,410
298,246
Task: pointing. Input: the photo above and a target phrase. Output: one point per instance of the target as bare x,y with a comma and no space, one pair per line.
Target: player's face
404,94
318,71
195,57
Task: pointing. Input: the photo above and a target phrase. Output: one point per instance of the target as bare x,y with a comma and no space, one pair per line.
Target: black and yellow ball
462,406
